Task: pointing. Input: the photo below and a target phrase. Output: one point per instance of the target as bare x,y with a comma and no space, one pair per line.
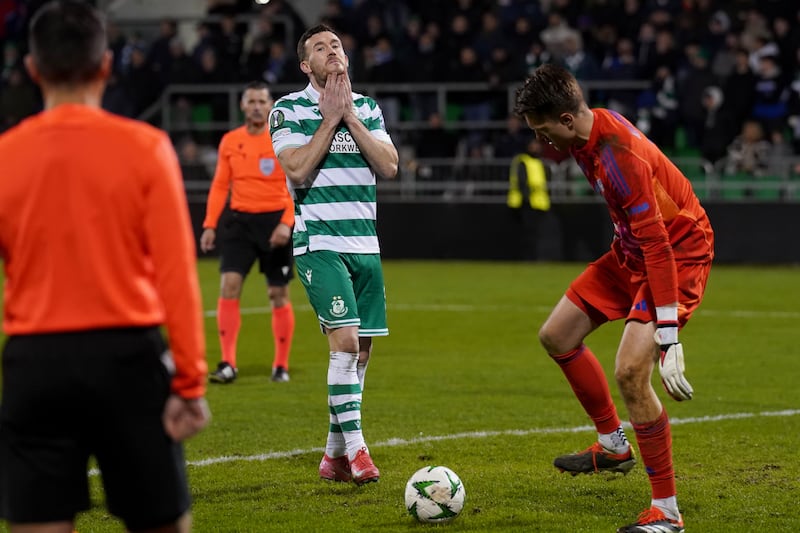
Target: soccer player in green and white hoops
331,142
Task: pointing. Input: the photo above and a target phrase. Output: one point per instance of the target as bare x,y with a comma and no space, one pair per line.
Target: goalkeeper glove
670,362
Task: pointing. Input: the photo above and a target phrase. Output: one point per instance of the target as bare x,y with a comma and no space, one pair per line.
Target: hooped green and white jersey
335,208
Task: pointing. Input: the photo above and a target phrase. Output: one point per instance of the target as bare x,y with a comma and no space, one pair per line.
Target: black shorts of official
245,238
101,393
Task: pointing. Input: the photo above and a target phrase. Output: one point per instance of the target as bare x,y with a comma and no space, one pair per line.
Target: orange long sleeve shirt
657,218
248,167
95,233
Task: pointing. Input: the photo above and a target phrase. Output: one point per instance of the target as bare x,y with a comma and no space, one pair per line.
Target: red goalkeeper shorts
607,291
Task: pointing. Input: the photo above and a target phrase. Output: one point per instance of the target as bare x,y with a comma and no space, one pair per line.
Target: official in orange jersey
259,227
98,253
654,277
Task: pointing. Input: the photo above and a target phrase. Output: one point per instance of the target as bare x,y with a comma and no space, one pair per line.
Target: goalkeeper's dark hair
548,92
67,40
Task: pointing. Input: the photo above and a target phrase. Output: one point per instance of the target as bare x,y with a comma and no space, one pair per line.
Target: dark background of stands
716,84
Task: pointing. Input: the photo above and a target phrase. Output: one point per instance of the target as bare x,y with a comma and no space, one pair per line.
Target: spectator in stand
433,142
646,51
719,129
469,9
760,45
18,99
116,98
630,18
716,35
143,84
383,67
281,65
749,152
621,66
664,114
581,64
12,61
555,34
793,106
458,36
771,96
667,53
522,35
692,82
262,32
210,73
780,153
502,69
381,64
182,68
490,37
422,63
116,43
193,167
723,62
476,105
230,45
333,16
739,89
281,10
514,139
787,39
536,56
357,64
159,55
206,40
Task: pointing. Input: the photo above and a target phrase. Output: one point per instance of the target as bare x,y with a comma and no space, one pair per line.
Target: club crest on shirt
337,306
266,165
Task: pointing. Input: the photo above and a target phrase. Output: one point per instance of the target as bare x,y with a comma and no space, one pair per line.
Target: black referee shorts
68,396
245,238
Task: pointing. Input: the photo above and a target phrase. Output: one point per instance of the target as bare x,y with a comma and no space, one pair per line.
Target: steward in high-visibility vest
535,187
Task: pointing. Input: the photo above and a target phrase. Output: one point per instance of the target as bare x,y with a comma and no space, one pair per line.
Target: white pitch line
469,435
482,435
468,308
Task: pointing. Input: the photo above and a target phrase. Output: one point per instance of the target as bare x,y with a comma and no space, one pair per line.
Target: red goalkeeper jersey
658,220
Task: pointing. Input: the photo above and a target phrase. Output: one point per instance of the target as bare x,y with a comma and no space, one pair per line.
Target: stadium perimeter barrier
455,208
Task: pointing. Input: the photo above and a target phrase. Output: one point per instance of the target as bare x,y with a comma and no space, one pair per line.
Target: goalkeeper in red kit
653,277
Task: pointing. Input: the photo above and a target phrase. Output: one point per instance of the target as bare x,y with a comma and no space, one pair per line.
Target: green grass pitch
462,381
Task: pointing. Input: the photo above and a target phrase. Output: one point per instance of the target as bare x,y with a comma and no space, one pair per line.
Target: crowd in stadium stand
725,75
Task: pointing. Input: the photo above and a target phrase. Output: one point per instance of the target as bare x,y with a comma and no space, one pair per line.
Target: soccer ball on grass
434,494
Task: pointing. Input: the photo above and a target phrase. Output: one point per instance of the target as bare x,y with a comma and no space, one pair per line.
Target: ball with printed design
434,494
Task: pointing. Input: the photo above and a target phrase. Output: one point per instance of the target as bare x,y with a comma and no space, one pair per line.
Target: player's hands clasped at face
184,418
336,102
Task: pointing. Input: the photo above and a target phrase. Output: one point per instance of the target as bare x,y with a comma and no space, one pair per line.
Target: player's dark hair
548,92
67,40
310,32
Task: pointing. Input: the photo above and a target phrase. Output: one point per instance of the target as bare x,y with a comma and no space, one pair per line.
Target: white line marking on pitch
470,435
468,308
481,435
